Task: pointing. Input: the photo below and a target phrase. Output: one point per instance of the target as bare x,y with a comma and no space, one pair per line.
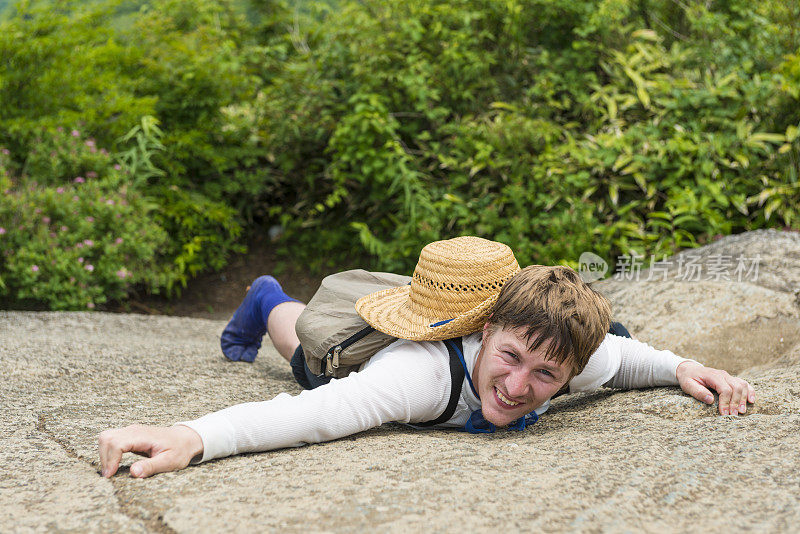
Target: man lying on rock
545,332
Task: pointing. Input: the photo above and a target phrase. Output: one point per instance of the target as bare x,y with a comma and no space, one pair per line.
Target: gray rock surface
650,460
737,323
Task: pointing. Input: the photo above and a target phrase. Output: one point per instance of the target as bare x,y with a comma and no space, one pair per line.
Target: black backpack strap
456,382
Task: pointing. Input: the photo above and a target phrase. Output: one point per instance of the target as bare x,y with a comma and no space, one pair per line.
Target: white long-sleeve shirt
407,382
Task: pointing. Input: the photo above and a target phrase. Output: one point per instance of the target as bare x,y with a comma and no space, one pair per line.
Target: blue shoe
242,337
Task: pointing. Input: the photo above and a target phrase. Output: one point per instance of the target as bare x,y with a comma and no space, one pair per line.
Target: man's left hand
734,393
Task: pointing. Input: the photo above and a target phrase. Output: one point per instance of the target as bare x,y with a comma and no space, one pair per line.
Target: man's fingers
717,381
725,394
114,443
169,448
744,392
699,392
734,393
741,401
733,407
110,452
160,463
103,453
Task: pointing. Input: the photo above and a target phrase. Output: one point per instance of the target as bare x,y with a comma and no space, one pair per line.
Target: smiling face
511,380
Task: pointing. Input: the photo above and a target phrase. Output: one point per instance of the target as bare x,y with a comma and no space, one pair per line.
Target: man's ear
485,332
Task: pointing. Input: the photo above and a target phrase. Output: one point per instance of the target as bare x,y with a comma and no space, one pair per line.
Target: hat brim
389,311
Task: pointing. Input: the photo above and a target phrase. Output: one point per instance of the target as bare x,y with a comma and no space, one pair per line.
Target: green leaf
613,193
641,92
641,181
502,105
552,203
771,206
761,197
646,34
740,205
768,137
612,108
621,161
742,159
689,217
659,224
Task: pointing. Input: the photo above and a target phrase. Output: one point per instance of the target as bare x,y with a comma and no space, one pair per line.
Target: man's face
511,380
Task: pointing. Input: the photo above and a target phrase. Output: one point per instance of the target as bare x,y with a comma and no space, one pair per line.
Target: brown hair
553,303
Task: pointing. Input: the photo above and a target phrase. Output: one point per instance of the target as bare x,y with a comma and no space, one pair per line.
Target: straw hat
455,284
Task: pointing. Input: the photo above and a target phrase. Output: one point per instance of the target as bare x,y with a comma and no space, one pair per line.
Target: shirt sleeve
406,382
626,363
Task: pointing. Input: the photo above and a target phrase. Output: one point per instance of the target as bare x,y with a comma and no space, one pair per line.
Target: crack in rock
41,426
153,522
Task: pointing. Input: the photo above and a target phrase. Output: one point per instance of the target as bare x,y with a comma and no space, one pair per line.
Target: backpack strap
456,381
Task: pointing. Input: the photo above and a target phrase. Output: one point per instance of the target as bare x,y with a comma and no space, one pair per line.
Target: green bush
376,126
80,226
191,59
61,65
76,245
555,127
187,160
203,233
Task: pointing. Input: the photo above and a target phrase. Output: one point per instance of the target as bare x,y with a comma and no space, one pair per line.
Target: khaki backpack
335,339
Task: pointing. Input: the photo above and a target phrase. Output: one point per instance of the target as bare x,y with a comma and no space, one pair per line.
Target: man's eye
546,372
513,356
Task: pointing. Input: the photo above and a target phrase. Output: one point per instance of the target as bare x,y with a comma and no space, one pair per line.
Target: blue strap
456,381
464,364
522,422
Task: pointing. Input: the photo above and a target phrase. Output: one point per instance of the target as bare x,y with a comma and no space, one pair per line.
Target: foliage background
183,127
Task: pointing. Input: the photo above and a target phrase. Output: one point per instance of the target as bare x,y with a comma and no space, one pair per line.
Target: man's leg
242,336
280,326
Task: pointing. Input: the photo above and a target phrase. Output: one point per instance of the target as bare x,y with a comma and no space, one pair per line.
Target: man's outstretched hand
167,448
734,393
